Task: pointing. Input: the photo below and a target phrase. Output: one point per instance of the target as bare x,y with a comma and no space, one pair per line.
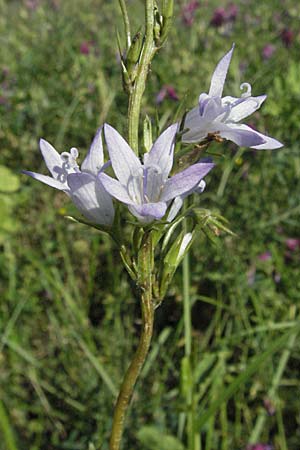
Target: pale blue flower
146,188
221,116
82,185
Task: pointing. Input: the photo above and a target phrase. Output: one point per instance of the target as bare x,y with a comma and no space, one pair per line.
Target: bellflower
221,116
145,188
82,185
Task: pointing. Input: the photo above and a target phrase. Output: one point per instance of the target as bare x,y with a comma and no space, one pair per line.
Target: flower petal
185,181
162,151
94,159
175,207
47,180
149,211
219,75
269,144
196,125
85,194
241,135
52,158
212,109
123,159
244,106
115,188
106,204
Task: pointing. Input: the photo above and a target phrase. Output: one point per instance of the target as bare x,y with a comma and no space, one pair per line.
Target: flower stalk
135,96
145,266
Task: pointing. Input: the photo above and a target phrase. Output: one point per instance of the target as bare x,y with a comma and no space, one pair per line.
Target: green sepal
137,236
157,28
173,258
147,135
205,217
128,263
167,15
127,83
134,52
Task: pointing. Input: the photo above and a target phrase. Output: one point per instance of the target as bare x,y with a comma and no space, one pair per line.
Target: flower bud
147,137
173,258
133,54
167,14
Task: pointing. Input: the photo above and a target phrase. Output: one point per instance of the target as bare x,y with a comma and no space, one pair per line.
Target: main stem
126,391
136,95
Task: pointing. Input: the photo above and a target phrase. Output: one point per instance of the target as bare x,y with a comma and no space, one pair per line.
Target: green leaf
153,439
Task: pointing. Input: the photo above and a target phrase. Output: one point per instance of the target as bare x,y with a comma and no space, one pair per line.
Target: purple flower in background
266,256
146,188
292,244
224,15
219,17
259,447
85,48
82,185
287,37
268,51
166,91
188,12
231,12
221,116
32,4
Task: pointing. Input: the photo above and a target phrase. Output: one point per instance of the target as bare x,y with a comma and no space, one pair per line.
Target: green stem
131,376
126,22
136,95
187,306
192,435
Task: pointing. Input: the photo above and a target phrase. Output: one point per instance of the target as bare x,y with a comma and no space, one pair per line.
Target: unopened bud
173,258
157,29
167,14
133,54
147,134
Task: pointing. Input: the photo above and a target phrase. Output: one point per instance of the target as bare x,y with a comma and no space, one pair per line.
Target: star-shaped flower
82,185
146,188
221,116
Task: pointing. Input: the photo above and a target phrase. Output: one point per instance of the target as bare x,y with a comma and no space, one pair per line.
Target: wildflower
224,15
292,244
188,12
85,47
219,117
82,185
219,17
287,37
259,447
268,51
232,11
32,4
166,91
146,188
266,256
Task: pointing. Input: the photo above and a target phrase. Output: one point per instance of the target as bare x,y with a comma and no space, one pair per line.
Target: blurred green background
69,322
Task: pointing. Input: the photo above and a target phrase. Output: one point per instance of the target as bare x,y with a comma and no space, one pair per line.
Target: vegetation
69,319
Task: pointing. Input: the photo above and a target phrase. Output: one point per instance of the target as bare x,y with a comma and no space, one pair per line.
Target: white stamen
69,159
246,86
74,152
